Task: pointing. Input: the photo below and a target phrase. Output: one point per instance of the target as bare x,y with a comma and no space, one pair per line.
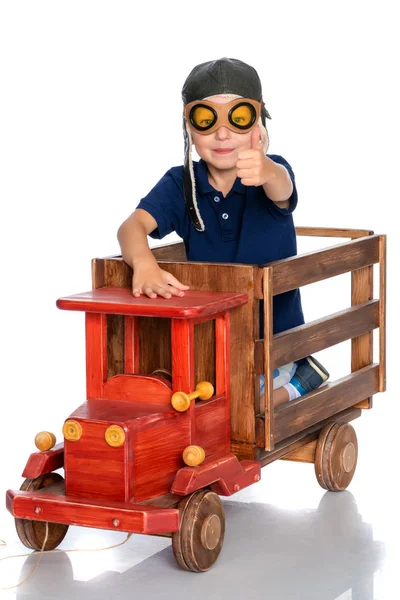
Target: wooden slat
305,437
362,346
305,453
268,374
294,272
96,354
324,402
171,252
131,347
333,232
304,340
382,314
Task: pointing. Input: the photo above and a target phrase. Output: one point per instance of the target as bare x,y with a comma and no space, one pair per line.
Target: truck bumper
117,516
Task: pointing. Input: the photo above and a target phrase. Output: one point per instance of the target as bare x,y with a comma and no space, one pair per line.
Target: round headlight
72,430
114,436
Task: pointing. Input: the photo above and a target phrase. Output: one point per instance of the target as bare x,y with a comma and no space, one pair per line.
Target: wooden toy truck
174,418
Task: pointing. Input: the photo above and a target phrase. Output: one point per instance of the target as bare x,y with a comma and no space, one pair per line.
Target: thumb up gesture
253,167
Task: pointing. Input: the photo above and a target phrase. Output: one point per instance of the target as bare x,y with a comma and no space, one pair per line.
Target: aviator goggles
239,115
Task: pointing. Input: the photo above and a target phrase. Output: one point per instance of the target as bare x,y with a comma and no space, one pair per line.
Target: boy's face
220,148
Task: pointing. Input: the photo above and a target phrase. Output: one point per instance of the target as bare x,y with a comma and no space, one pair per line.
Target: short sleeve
165,202
293,198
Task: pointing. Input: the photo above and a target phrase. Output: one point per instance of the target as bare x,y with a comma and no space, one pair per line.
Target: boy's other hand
153,281
253,167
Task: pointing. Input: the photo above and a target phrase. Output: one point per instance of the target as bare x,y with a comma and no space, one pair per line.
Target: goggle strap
189,185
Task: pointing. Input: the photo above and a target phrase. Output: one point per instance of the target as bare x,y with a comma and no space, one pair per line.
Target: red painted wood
113,300
40,463
223,374
133,518
93,469
212,425
134,414
157,455
96,354
142,388
131,342
225,474
182,342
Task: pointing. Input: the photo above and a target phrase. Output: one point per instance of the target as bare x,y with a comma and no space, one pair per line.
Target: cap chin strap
189,185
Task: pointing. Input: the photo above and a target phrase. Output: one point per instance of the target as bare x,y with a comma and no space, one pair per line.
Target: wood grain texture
382,313
332,232
305,453
116,516
115,300
304,437
142,388
362,290
244,325
212,421
114,272
96,354
158,450
315,336
131,344
224,473
324,402
268,293
174,251
44,462
93,469
291,273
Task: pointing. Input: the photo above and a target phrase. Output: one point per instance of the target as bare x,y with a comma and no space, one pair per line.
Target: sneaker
309,375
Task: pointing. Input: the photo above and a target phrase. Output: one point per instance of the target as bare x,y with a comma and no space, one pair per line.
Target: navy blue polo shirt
243,227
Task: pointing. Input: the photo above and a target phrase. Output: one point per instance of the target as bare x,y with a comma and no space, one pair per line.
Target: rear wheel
336,456
199,540
33,533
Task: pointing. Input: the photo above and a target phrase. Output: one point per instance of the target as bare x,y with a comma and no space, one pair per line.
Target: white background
90,119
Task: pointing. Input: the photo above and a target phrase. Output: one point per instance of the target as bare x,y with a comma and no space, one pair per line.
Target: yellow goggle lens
72,430
114,436
202,117
242,115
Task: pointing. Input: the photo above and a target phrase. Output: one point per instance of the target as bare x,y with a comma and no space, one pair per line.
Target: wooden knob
193,456
45,440
181,401
114,436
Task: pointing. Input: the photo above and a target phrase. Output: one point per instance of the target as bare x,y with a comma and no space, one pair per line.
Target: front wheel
199,540
33,533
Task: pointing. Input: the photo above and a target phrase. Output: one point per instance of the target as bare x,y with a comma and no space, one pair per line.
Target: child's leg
306,376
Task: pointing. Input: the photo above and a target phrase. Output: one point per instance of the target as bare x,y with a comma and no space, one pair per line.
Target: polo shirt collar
204,186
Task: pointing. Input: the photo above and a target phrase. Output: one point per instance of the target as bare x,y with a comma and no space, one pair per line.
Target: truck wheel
199,540
33,533
336,456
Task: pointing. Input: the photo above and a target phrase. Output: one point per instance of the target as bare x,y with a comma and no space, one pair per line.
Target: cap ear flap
189,182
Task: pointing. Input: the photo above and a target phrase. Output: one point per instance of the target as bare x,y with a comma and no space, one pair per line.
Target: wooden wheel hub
211,532
349,457
336,456
199,540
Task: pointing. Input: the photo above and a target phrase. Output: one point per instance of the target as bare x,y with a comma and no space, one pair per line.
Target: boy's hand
253,167
153,281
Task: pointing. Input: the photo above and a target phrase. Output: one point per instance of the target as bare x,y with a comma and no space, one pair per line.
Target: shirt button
225,216
216,199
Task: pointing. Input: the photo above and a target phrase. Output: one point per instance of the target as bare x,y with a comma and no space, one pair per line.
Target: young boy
234,205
